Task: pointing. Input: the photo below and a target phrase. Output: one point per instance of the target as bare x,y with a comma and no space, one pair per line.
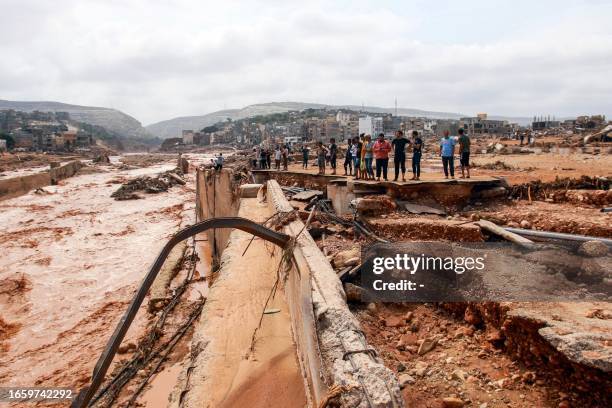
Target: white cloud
159,59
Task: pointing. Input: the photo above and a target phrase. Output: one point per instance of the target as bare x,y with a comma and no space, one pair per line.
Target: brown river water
70,262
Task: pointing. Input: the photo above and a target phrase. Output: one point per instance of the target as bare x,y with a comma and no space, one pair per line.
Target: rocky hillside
111,119
174,127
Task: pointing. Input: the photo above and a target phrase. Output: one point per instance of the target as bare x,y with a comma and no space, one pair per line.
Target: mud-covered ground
72,258
467,363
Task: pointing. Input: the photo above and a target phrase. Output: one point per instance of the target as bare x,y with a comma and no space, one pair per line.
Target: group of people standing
262,158
369,160
447,152
363,154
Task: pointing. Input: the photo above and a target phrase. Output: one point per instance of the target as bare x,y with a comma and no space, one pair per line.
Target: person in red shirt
381,154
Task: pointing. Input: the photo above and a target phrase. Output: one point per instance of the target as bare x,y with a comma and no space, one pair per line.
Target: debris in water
151,185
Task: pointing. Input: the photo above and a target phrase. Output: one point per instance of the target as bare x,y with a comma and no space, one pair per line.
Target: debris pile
498,165
538,190
150,185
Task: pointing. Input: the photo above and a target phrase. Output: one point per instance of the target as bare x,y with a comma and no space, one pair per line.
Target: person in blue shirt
447,152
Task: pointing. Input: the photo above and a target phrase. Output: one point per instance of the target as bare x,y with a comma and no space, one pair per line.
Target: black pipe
87,393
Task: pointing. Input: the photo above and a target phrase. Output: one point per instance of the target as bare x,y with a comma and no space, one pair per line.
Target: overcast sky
157,59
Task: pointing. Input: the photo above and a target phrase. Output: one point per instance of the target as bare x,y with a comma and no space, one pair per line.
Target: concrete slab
229,369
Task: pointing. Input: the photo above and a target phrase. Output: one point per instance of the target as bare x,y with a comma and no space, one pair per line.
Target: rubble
150,185
375,205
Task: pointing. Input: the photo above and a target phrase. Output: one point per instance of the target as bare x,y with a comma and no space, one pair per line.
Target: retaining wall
17,186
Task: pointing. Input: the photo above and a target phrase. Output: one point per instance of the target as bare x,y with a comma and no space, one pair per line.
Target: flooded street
71,260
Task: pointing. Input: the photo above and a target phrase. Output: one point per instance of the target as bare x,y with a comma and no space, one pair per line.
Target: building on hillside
187,137
481,125
442,125
544,122
201,138
333,130
343,118
23,139
292,140
59,143
84,139
70,139
370,125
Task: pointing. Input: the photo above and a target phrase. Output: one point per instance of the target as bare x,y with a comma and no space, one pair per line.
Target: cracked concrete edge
365,381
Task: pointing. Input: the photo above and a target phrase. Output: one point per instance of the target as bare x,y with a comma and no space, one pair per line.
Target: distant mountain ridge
174,127
111,119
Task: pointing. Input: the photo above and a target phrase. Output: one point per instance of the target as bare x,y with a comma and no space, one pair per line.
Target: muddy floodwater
71,260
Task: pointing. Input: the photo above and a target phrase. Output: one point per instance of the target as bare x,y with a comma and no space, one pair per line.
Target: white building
2,145
343,118
291,140
370,125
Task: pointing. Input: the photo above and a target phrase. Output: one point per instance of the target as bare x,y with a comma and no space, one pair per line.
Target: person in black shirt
417,150
333,154
348,159
399,145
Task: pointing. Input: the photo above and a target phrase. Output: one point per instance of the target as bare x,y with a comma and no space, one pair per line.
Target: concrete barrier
218,195
16,186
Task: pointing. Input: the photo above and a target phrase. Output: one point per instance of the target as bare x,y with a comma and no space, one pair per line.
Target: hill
113,120
174,127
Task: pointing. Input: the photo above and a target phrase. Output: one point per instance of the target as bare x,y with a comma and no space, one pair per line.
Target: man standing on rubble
285,154
219,162
322,151
381,153
277,158
464,152
348,159
399,157
447,152
333,154
417,151
305,153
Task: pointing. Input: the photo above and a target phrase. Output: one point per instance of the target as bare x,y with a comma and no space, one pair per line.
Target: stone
593,249
394,321
372,307
495,336
564,404
406,379
452,402
420,368
459,374
126,348
594,270
409,339
471,316
427,345
376,204
529,377
525,224
353,292
341,258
